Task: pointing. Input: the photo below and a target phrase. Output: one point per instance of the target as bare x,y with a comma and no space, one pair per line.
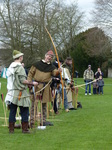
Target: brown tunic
43,76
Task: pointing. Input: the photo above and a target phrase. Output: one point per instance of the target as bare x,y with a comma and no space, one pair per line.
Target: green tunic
16,75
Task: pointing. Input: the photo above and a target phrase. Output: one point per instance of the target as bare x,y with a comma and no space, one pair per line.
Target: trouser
65,98
100,89
94,90
55,103
24,113
87,86
44,112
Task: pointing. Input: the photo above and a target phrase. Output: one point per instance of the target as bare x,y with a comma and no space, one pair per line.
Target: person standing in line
17,92
100,85
98,73
88,76
42,72
68,81
95,87
59,89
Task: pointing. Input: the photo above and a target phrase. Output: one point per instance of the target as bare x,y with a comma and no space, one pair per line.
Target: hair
68,58
17,58
60,60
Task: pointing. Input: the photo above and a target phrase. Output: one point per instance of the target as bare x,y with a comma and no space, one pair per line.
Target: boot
28,125
25,127
47,123
16,126
11,127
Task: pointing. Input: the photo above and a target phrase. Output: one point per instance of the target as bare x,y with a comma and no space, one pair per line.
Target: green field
89,128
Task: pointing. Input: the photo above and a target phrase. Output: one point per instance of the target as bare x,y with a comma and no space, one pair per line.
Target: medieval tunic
67,77
16,75
42,73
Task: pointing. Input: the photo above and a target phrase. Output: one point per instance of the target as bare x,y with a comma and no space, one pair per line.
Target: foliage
90,47
82,60
97,43
102,17
82,129
22,26
110,63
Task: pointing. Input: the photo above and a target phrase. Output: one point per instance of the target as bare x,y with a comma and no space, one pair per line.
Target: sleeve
84,75
18,83
31,73
20,76
55,72
92,75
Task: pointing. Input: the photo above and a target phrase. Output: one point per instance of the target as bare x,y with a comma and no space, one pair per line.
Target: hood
12,67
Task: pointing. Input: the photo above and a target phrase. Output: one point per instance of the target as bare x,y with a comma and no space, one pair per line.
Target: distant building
109,72
110,68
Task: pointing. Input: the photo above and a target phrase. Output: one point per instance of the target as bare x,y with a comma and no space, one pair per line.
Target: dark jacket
100,82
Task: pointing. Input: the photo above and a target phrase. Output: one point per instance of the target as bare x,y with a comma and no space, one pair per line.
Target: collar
45,62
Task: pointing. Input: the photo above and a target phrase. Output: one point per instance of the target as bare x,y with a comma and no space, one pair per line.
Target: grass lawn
89,128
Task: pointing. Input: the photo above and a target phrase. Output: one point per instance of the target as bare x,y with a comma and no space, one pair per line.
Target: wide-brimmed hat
17,54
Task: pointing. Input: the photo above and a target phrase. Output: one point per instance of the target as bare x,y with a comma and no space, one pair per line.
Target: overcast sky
84,5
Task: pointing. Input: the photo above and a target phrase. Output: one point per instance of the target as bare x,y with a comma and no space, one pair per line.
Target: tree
23,26
102,16
62,21
13,25
90,47
70,25
97,43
